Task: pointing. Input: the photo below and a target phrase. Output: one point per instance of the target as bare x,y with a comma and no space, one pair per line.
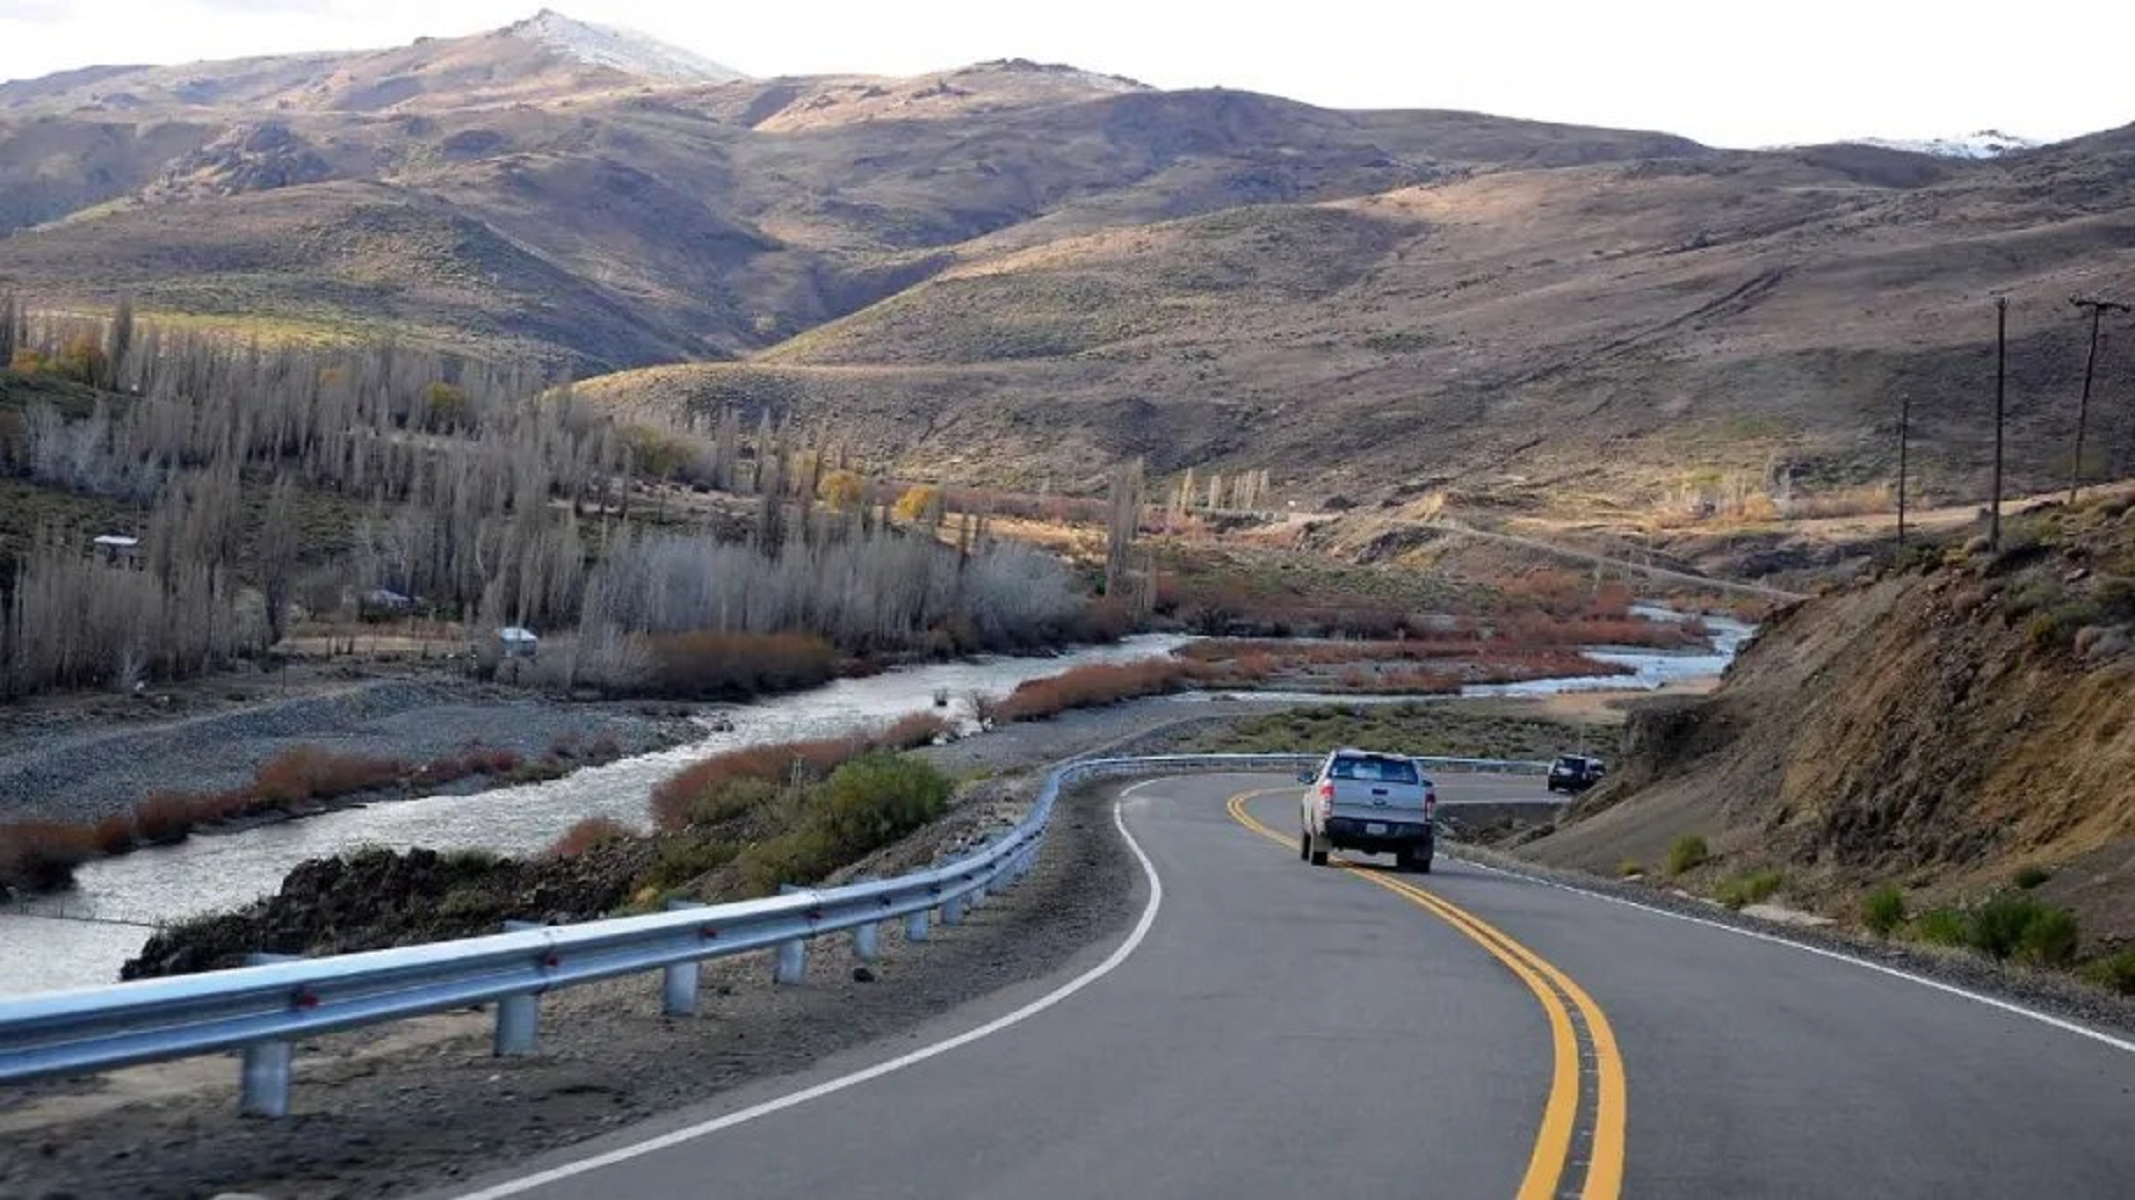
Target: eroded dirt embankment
1936,728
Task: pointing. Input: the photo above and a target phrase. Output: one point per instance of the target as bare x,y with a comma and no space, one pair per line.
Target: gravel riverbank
85,760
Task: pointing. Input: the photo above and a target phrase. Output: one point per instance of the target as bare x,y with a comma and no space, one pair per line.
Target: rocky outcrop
378,898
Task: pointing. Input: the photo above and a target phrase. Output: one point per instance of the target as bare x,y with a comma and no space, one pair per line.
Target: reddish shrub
312,773
40,855
167,817
115,835
1099,683
917,729
777,763
586,834
714,665
604,748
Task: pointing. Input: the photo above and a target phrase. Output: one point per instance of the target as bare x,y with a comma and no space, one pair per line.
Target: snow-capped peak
1987,143
620,49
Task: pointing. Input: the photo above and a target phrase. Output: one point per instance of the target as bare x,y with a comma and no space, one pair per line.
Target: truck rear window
1375,770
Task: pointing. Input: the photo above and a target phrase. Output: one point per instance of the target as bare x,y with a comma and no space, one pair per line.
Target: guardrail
263,1009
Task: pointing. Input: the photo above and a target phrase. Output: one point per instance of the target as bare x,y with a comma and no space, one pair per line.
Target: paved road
1275,1030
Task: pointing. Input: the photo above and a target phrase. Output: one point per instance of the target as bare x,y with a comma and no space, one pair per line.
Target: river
205,873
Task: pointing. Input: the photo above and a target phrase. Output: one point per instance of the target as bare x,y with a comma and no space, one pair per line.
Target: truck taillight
1326,797
1430,803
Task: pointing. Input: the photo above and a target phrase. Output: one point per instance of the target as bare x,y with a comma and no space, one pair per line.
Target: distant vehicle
1364,800
1574,773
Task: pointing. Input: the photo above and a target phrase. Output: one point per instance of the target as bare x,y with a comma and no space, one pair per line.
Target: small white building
518,642
118,549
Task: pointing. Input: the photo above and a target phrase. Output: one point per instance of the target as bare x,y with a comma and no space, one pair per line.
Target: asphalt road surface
1272,1029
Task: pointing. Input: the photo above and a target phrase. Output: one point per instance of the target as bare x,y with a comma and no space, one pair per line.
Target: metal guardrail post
867,935
263,1079
792,955
952,911
678,981
518,1017
792,962
915,927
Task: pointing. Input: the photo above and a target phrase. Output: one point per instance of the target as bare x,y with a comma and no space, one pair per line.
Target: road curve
1273,1029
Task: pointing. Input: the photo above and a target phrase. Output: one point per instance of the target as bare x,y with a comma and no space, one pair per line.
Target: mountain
620,49
1987,143
546,57
1018,271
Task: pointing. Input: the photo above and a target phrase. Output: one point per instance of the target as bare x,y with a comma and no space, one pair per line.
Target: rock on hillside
1936,727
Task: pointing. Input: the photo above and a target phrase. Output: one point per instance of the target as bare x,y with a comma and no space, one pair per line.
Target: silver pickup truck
1364,800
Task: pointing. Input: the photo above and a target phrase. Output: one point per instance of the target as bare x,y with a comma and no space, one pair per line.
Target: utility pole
2098,308
2001,390
1905,421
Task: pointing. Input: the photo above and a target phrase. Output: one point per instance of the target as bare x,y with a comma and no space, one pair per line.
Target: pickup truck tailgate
1377,788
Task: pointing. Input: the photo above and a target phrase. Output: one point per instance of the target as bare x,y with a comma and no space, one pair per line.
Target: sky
1728,74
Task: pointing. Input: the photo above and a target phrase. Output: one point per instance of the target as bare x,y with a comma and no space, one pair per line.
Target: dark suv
1574,773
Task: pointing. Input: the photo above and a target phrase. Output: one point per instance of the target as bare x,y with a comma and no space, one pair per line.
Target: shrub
2115,973
115,835
2050,939
313,773
1941,927
1629,868
907,732
739,665
1997,927
1099,683
879,797
167,817
683,859
2115,599
778,763
1883,911
1749,889
799,857
731,798
1687,854
40,855
2031,875
586,834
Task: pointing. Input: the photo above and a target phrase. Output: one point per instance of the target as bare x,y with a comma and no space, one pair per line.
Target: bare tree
1122,525
278,548
118,345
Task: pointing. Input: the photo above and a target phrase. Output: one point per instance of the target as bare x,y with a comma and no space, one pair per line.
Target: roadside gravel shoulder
416,1106
2052,994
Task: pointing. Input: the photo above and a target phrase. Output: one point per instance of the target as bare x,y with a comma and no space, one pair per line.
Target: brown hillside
1935,729
1602,330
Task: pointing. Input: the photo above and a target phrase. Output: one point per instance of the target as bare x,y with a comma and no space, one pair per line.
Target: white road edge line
653,1145
2096,1035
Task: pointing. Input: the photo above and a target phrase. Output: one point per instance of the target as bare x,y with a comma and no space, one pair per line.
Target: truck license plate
1375,827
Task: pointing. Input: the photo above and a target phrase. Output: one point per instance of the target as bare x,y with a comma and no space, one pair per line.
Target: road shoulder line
1996,1002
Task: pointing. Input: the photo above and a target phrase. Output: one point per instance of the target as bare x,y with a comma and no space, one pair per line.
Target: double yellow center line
1575,1022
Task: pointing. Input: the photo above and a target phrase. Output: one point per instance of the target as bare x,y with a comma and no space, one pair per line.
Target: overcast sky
1730,74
